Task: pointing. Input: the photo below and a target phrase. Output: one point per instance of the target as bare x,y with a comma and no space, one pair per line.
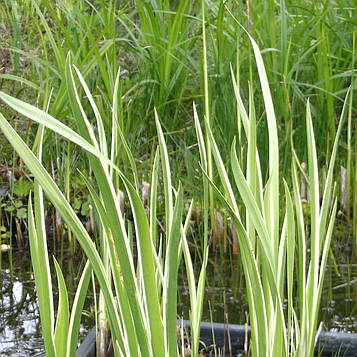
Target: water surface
225,301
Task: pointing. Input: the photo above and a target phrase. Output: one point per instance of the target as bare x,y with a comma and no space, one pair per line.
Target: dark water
225,301
20,332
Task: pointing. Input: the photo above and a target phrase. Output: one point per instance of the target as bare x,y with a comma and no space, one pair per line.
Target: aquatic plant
138,298
142,317
276,256
140,304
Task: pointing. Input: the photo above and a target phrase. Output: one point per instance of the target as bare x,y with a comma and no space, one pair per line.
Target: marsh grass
308,49
143,318
268,249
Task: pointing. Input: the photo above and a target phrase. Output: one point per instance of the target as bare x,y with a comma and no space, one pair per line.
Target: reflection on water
225,301
339,302
20,333
20,329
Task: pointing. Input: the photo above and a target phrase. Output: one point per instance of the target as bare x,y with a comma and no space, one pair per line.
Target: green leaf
76,312
166,176
67,213
21,213
43,284
62,321
170,277
146,255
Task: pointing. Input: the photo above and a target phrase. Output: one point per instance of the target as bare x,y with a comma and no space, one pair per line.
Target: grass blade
61,330
67,213
170,286
149,273
76,312
43,283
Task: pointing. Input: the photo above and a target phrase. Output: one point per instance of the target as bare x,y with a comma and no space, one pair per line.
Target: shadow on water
225,301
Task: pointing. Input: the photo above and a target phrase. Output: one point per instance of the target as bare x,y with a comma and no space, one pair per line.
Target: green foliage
144,322
308,49
22,187
103,74
18,204
268,250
